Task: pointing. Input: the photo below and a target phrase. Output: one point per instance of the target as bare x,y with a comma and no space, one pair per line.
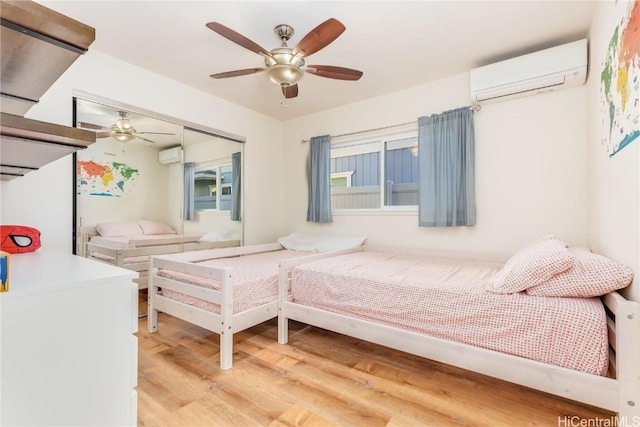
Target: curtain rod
475,107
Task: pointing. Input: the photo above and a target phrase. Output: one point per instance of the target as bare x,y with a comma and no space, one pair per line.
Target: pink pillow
532,265
119,229
150,227
592,275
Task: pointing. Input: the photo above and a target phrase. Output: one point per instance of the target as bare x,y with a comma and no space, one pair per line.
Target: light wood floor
321,379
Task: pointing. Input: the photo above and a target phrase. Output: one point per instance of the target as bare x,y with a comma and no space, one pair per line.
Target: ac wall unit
172,155
543,71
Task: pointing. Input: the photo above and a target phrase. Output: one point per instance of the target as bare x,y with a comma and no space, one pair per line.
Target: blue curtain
236,160
319,207
189,191
446,159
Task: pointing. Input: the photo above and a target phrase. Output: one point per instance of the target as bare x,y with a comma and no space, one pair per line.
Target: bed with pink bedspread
255,280
222,290
483,315
447,299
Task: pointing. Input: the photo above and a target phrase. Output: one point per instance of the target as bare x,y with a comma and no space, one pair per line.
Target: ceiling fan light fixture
123,124
284,75
122,136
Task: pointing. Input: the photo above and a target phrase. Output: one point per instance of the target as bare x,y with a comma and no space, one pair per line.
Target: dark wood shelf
38,46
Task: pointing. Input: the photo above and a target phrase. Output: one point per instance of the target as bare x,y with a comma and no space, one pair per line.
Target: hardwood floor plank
209,411
326,401
150,411
321,379
298,415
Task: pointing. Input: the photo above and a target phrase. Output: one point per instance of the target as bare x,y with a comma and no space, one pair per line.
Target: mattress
255,280
448,299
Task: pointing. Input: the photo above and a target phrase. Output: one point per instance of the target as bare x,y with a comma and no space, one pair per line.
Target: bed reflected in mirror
153,186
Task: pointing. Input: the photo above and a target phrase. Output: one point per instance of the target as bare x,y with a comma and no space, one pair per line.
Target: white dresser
68,355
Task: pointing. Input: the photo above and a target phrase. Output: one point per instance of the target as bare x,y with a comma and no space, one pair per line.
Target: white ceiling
397,44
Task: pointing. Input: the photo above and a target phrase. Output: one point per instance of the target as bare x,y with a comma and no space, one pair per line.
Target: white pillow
298,242
150,227
532,265
214,236
320,243
119,229
338,243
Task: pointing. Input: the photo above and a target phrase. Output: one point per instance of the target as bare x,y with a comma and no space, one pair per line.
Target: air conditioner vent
543,71
170,156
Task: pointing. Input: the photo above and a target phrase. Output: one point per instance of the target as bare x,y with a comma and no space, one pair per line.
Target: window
207,182
375,173
401,172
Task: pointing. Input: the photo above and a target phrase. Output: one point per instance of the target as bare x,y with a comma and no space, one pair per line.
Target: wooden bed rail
623,323
86,233
207,254
290,263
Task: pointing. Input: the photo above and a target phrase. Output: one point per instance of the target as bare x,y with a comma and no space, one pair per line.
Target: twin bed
129,244
222,290
447,309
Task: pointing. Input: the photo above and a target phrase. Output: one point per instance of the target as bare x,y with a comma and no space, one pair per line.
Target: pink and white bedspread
447,298
255,280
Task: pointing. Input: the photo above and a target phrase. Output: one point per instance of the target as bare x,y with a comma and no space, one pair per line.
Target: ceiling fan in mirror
122,130
285,66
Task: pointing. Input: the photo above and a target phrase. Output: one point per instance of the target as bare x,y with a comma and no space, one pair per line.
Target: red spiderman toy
18,239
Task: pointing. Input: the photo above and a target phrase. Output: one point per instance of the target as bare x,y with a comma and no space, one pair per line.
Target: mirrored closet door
149,178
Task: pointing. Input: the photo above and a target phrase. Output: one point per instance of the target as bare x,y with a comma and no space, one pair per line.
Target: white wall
613,183
145,196
530,168
42,199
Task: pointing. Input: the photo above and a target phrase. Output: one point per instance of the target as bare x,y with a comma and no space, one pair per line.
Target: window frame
219,186
362,144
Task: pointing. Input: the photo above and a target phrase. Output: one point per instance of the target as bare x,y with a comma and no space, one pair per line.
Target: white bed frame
143,247
225,323
619,392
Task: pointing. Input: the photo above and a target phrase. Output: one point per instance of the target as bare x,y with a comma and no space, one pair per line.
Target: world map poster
109,179
620,81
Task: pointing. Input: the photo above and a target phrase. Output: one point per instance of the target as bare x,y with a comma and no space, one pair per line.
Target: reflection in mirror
130,184
212,189
207,181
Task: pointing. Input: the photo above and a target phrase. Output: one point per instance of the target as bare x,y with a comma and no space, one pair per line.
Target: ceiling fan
286,66
122,130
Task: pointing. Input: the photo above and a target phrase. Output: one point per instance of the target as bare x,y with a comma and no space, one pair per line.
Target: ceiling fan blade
145,139
103,134
154,133
320,37
236,73
237,38
329,71
91,126
290,91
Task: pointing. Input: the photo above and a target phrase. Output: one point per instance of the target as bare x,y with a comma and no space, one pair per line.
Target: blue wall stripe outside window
446,147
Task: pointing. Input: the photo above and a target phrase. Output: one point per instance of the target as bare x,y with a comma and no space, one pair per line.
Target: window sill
398,211
212,212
